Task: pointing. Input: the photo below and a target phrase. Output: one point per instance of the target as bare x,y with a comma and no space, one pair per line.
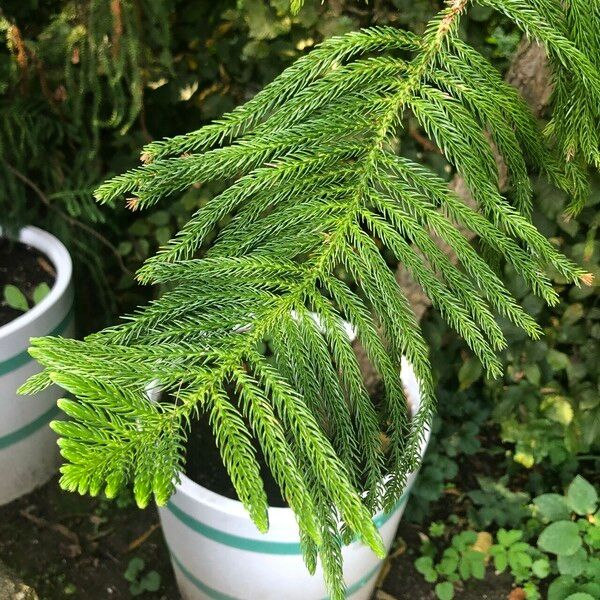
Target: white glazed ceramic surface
218,554
28,450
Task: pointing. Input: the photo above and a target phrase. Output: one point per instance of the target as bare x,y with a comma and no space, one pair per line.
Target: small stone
13,587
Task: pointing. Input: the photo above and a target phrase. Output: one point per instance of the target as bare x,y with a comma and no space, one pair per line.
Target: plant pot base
28,452
217,552
30,461
263,568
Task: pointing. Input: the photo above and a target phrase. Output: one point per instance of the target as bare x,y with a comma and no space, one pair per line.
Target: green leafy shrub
555,546
317,185
141,581
455,432
458,562
547,403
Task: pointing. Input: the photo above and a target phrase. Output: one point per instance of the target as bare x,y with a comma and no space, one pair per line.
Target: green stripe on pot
14,362
29,429
233,541
217,595
255,545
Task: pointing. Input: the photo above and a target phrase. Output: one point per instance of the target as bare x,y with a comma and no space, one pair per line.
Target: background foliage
83,84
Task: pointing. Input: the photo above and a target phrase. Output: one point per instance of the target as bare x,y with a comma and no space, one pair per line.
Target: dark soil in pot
24,267
205,467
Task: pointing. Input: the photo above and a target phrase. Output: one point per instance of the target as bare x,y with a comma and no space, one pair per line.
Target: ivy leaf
444,590
552,507
561,537
40,292
582,496
15,298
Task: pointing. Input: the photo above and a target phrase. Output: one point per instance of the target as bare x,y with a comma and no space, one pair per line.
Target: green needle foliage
314,184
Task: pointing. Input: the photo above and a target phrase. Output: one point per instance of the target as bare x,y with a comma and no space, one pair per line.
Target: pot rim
197,493
55,251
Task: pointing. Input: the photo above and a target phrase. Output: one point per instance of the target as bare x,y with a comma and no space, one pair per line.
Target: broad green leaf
447,565
161,218
469,372
552,507
151,581
541,568
464,568
40,292
561,537
124,248
558,408
582,496
531,591
524,458
134,568
592,569
500,559
533,373
573,313
592,588
15,298
508,538
163,235
561,587
478,566
573,564
557,360
136,588
519,560
424,565
579,596
444,591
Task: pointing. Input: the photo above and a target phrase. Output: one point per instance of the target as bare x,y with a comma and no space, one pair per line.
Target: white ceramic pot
28,451
217,552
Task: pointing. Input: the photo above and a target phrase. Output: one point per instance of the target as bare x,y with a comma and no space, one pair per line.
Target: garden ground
68,546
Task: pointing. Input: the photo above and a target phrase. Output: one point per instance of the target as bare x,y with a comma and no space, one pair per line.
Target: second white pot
218,554
28,451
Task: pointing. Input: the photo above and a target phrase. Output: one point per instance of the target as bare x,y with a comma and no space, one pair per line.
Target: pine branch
315,188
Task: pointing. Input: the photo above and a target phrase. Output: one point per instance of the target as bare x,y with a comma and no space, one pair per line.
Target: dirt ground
67,546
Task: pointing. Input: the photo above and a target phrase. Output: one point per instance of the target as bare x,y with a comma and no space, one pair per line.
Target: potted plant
316,191
37,299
